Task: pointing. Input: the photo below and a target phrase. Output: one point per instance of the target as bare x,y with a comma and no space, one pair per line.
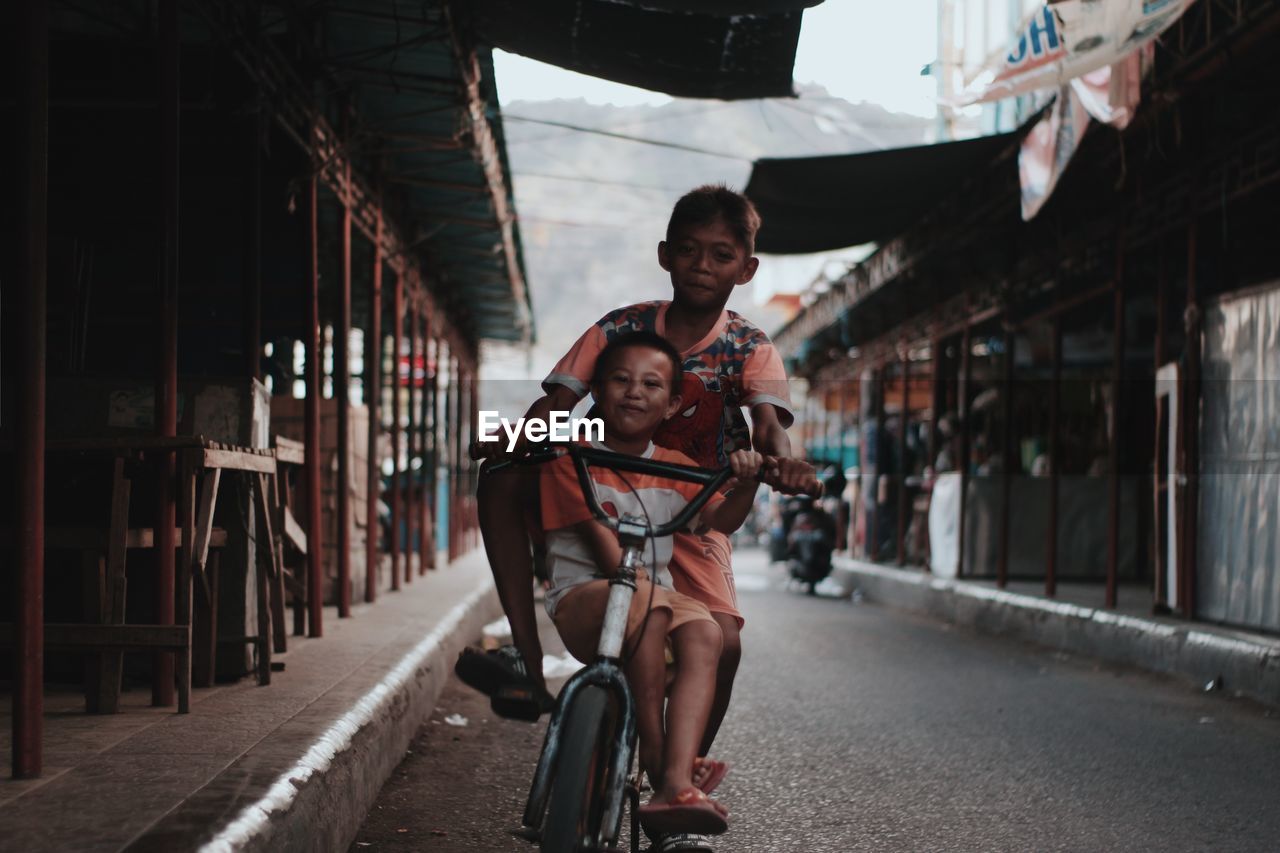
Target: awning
430,121
746,51
816,204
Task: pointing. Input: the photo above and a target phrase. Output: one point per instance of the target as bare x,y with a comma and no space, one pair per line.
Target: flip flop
718,770
690,811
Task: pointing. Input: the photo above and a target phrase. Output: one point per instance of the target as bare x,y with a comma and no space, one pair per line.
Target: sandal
716,772
490,671
522,703
690,811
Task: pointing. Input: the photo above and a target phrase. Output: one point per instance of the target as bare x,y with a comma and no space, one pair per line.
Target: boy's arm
783,471
727,515
603,545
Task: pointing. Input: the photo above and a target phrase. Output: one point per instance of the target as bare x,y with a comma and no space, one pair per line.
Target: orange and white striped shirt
569,558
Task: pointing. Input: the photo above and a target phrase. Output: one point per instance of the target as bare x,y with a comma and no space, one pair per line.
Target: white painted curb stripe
337,738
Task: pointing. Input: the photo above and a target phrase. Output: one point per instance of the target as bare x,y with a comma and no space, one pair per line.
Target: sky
859,50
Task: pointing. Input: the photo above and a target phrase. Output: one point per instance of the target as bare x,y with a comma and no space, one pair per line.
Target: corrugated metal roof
428,118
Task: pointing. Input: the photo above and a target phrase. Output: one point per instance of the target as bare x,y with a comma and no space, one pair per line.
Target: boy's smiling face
706,263
635,394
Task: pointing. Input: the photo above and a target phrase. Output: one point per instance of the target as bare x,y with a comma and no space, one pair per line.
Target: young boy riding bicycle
730,363
634,386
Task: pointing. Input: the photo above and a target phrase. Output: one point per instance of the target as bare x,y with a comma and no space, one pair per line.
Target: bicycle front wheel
573,815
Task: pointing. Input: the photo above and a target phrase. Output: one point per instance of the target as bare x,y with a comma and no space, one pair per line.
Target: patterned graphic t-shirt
735,365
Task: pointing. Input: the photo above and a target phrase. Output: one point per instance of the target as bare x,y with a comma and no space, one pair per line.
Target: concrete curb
1247,663
322,801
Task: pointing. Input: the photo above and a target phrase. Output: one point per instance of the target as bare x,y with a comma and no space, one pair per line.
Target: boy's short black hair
650,340
710,202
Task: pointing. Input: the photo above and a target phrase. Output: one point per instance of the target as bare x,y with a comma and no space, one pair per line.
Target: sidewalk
1247,663
291,766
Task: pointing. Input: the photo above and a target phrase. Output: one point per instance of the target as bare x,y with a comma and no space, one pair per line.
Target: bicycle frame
604,672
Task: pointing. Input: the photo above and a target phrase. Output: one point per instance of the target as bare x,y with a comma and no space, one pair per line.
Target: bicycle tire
579,775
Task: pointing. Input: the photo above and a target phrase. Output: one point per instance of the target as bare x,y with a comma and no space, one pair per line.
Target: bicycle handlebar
583,457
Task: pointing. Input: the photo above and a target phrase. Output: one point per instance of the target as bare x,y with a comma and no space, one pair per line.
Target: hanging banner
1064,41
1109,95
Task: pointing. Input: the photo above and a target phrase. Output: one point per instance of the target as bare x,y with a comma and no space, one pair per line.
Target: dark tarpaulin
683,54
815,204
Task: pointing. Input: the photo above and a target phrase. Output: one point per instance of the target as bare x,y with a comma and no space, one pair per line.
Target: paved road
859,728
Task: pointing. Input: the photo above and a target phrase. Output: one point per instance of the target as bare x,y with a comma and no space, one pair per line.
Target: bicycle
576,800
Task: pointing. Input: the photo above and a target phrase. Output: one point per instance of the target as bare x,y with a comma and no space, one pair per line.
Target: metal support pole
373,395
1006,477
966,378
412,511
937,397
453,421
425,546
1113,459
473,414
253,251
881,385
397,329
312,453
433,433
162,683
426,529
1161,594
902,460
342,399
1189,405
1055,463
33,212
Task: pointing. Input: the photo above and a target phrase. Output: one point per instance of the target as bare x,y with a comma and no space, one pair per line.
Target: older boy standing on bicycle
729,363
634,384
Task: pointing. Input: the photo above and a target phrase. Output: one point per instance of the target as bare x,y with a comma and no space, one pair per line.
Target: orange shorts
702,568
580,614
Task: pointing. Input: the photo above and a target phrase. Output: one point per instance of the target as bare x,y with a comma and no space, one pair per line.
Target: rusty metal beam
397,332
373,395
426,539
253,251
342,399
902,459
1113,456
312,463
162,684
413,496
33,211
1055,463
1006,476
966,379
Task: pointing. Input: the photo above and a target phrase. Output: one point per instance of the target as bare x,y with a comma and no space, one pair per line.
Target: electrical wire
628,138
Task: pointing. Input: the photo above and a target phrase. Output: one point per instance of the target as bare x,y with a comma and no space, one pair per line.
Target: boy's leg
646,674
726,672
697,650
579,620
500,500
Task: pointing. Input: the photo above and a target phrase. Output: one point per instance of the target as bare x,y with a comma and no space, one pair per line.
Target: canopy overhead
816,204
746,50
428,116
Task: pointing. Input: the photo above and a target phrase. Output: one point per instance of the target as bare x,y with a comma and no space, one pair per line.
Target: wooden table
201,464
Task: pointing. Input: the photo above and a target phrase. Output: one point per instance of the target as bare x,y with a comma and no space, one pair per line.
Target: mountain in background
592,207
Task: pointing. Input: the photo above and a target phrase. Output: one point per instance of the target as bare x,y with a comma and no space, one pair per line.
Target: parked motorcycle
810,542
